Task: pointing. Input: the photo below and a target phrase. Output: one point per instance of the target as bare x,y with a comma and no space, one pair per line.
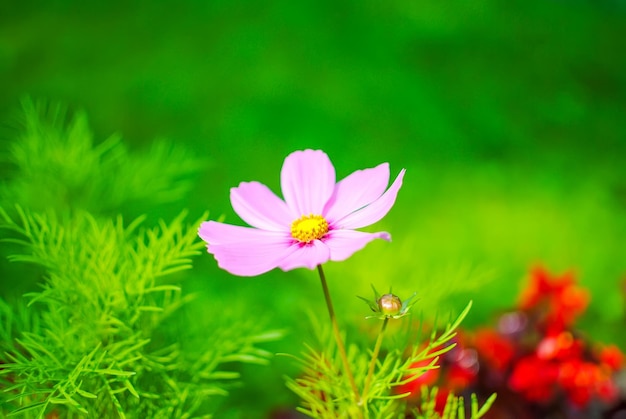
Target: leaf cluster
109,331
55,163
95,342
454,407
325,392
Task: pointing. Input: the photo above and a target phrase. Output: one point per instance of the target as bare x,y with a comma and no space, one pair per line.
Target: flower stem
340,346
370,372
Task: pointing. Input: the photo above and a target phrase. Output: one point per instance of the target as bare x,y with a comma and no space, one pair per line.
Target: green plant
109,331
324,392
454,407
54,163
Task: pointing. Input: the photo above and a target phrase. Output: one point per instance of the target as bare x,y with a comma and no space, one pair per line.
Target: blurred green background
509,117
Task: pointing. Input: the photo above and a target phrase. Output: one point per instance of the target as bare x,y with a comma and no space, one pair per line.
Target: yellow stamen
308,228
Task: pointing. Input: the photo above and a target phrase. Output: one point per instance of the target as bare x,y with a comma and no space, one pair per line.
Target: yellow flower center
308,228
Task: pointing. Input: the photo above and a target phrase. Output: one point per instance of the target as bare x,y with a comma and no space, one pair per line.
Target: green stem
370,372
340,346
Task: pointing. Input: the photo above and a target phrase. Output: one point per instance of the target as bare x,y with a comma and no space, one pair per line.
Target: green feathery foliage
98,346
454,407
325,392
109,333
56,165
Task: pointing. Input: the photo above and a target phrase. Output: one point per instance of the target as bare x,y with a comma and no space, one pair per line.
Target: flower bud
389,304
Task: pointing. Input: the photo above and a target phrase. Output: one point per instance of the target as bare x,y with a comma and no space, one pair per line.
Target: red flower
534,378
496,350
557,299
559,346
611,357
583,381
557,364
462,370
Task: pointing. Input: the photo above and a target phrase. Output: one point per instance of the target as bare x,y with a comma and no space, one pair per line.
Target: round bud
389,304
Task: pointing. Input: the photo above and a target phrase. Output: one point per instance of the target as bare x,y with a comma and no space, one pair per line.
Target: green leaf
86,393
22,410
221,375
109,371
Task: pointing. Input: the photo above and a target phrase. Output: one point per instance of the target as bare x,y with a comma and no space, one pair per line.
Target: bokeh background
509,117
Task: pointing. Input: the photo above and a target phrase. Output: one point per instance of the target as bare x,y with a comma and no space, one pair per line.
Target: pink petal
306,256
374,211
258,206
356,191
344,243
245,251
214,232
307,180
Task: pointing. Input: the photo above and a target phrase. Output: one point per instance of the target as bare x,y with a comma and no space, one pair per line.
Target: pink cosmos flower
315,223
